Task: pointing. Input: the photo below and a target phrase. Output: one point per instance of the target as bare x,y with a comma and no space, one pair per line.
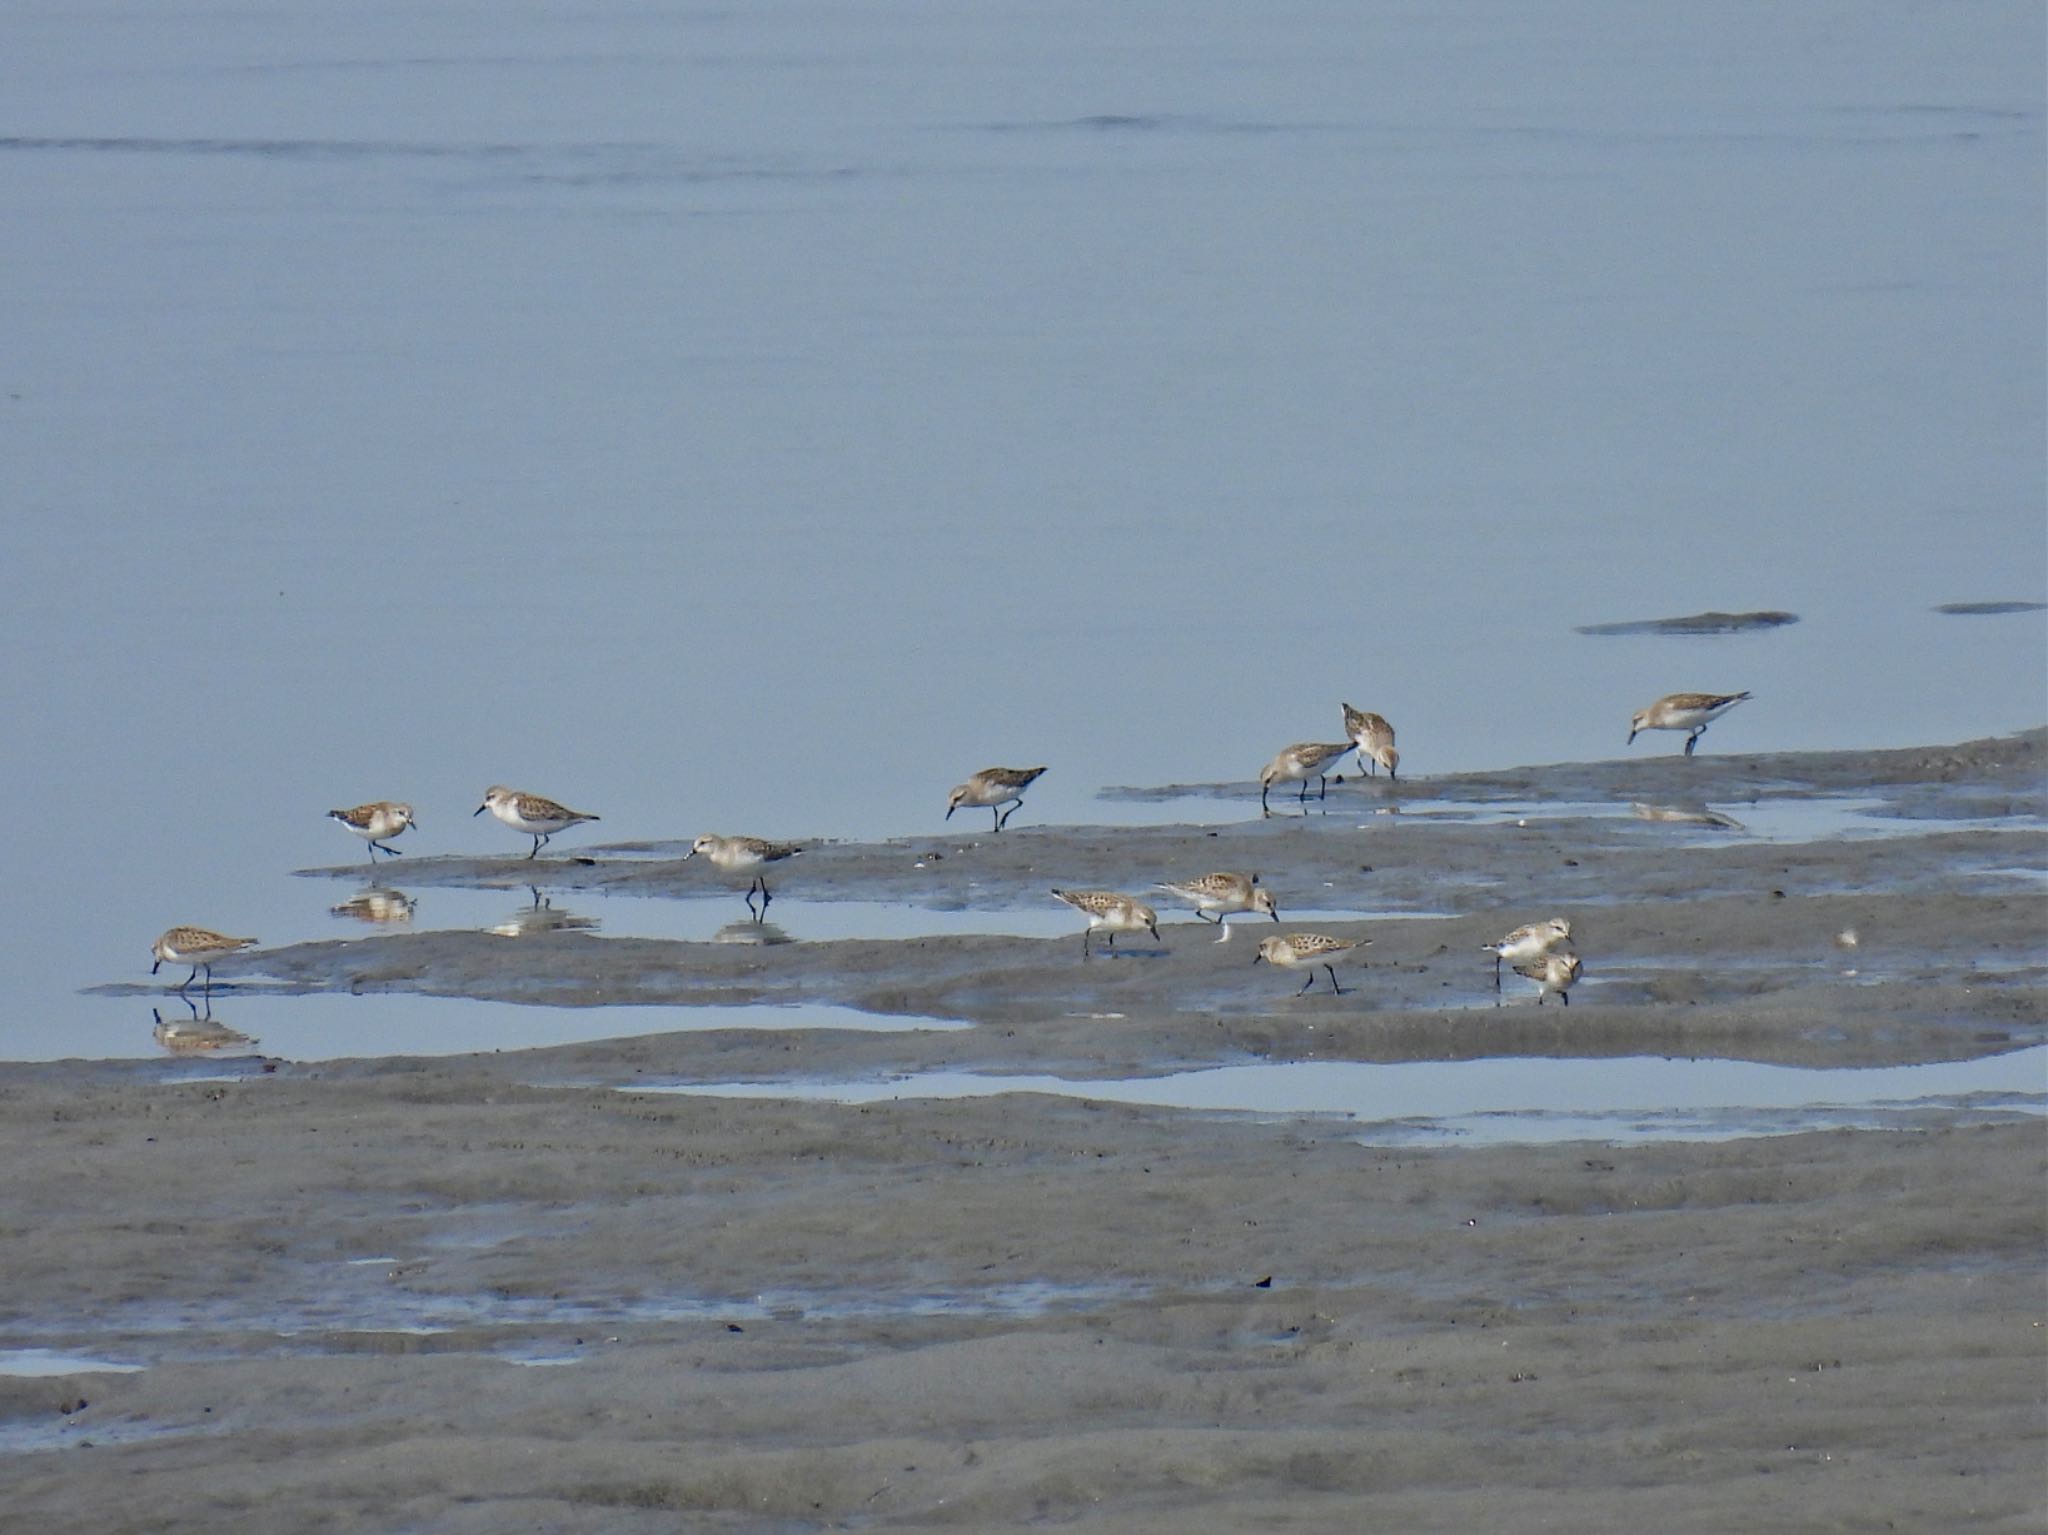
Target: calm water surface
755,419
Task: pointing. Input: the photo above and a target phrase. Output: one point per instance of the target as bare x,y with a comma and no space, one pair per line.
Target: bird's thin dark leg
765,899
188,981
1304,791
1307,983
1087,933
1322,786
998,815
1333,981
1265,806
207,989
1693,740
1565,997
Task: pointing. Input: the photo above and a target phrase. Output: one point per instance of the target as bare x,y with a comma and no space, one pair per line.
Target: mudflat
530,1291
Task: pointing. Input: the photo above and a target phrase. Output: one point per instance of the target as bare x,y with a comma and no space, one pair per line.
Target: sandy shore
484,1294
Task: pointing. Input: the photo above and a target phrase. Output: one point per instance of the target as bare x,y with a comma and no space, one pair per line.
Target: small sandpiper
1690,712
1300,763
731,854
1310,949
1526,943
992,788
198,947
1555,972
1112,912
375,822
1374,738
539,818
1223,893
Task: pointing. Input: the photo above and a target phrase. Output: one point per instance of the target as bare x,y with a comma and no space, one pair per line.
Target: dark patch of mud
1988,609
1697,623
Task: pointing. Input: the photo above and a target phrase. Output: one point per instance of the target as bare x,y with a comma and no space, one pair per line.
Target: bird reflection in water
543,916
754,932
1686,815
200,1034
377,905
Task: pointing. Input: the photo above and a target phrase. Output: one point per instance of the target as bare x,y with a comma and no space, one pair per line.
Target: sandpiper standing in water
1299,763
198,947
731,854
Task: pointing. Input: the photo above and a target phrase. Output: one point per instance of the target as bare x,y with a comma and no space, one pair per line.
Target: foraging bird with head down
991,789
1690,712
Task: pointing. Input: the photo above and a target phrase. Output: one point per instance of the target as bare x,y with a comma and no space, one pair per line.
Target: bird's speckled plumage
1374,738
375,822
539,817
198,947
1222,893
1112,912
1310,949
1553,973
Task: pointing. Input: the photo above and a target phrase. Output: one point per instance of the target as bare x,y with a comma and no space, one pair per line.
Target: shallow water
55,1361
1499,1101
326,1026
757,419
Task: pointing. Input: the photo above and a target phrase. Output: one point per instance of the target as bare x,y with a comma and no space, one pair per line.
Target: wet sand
497,1292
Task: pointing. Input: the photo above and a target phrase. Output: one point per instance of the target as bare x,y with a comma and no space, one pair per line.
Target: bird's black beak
480,809
1276,916
156,967
1631,738
1257,957
949,811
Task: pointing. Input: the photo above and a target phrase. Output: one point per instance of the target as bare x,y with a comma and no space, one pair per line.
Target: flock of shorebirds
1541,952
